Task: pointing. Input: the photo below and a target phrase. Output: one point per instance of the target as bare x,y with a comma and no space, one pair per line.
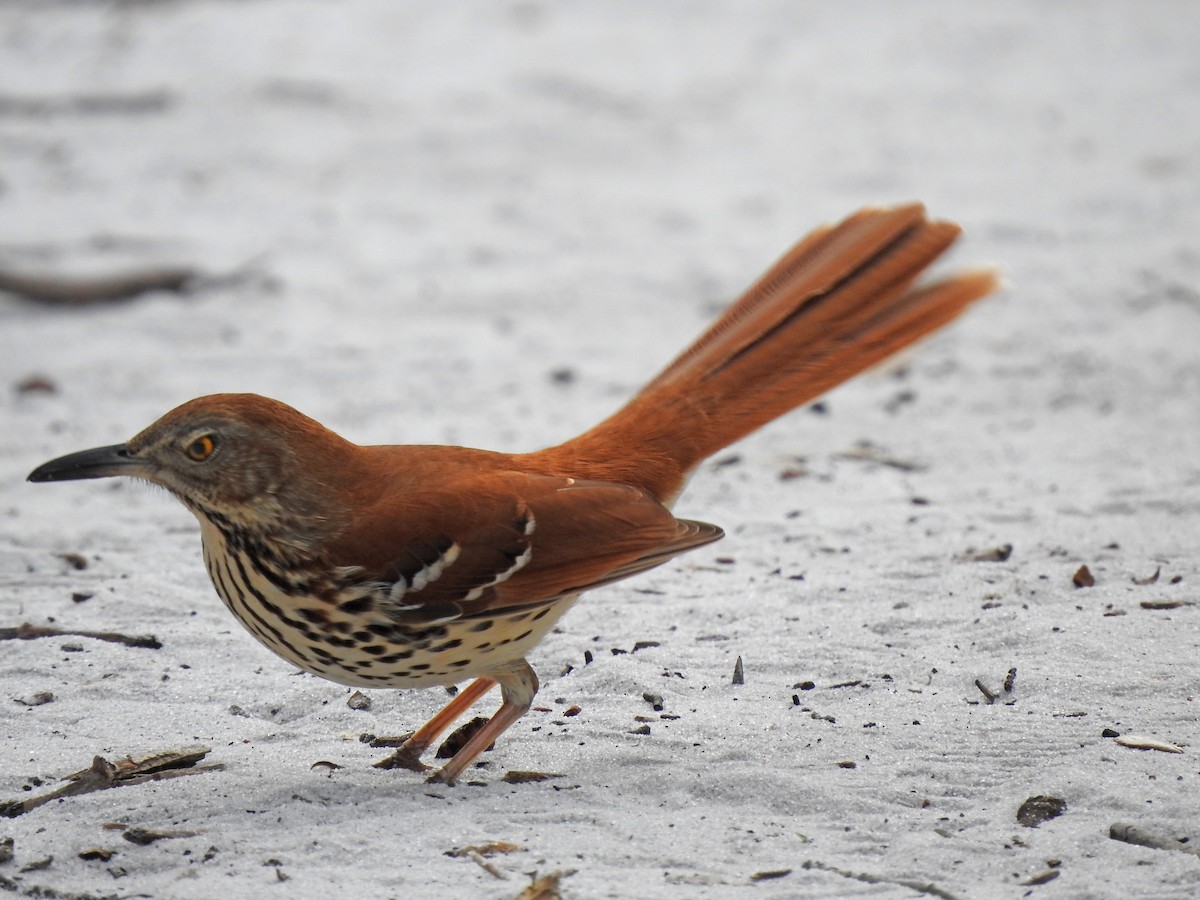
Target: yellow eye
201,448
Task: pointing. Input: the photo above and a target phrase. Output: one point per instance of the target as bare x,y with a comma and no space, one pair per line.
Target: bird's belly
342,649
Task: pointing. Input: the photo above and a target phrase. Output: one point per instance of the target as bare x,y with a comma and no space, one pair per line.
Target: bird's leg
408,755
518,686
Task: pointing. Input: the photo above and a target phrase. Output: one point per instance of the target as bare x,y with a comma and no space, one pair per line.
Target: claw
405,757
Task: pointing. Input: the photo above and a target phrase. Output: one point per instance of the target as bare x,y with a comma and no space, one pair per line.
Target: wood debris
27,632
987,694
545,887
1010,682
1044,877
477,853
991,554
1132,834
143,837
36,384
57,290
921,887
155,100
491,848
517,776
41,698
770,875
1039,809
869,453
386,740
1149,579
102,775
76,561
1137,742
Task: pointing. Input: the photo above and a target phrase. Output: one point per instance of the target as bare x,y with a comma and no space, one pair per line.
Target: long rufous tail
839,302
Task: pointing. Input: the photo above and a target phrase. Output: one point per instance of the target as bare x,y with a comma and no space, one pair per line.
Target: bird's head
242,456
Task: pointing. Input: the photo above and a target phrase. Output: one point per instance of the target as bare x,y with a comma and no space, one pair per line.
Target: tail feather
818,264
839,302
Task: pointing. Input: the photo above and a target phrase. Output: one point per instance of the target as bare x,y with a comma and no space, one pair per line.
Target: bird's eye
201,448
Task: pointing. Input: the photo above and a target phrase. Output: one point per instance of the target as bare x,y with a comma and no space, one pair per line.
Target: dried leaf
459,737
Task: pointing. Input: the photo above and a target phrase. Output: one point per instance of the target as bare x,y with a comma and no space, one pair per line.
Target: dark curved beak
99,463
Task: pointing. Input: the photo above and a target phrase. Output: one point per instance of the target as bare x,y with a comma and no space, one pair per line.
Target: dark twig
27,632
928,889
1010,682
869,453
59,291
55,290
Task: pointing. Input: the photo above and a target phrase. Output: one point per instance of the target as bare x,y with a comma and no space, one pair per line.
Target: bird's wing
506,541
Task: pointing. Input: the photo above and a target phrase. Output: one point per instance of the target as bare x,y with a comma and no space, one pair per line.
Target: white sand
447,203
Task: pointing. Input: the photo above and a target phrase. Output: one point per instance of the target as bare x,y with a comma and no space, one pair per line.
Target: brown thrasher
410,566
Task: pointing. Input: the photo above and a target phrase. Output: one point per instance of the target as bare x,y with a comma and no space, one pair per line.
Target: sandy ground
430,213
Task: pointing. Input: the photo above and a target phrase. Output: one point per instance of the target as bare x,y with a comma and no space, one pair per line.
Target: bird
408,566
